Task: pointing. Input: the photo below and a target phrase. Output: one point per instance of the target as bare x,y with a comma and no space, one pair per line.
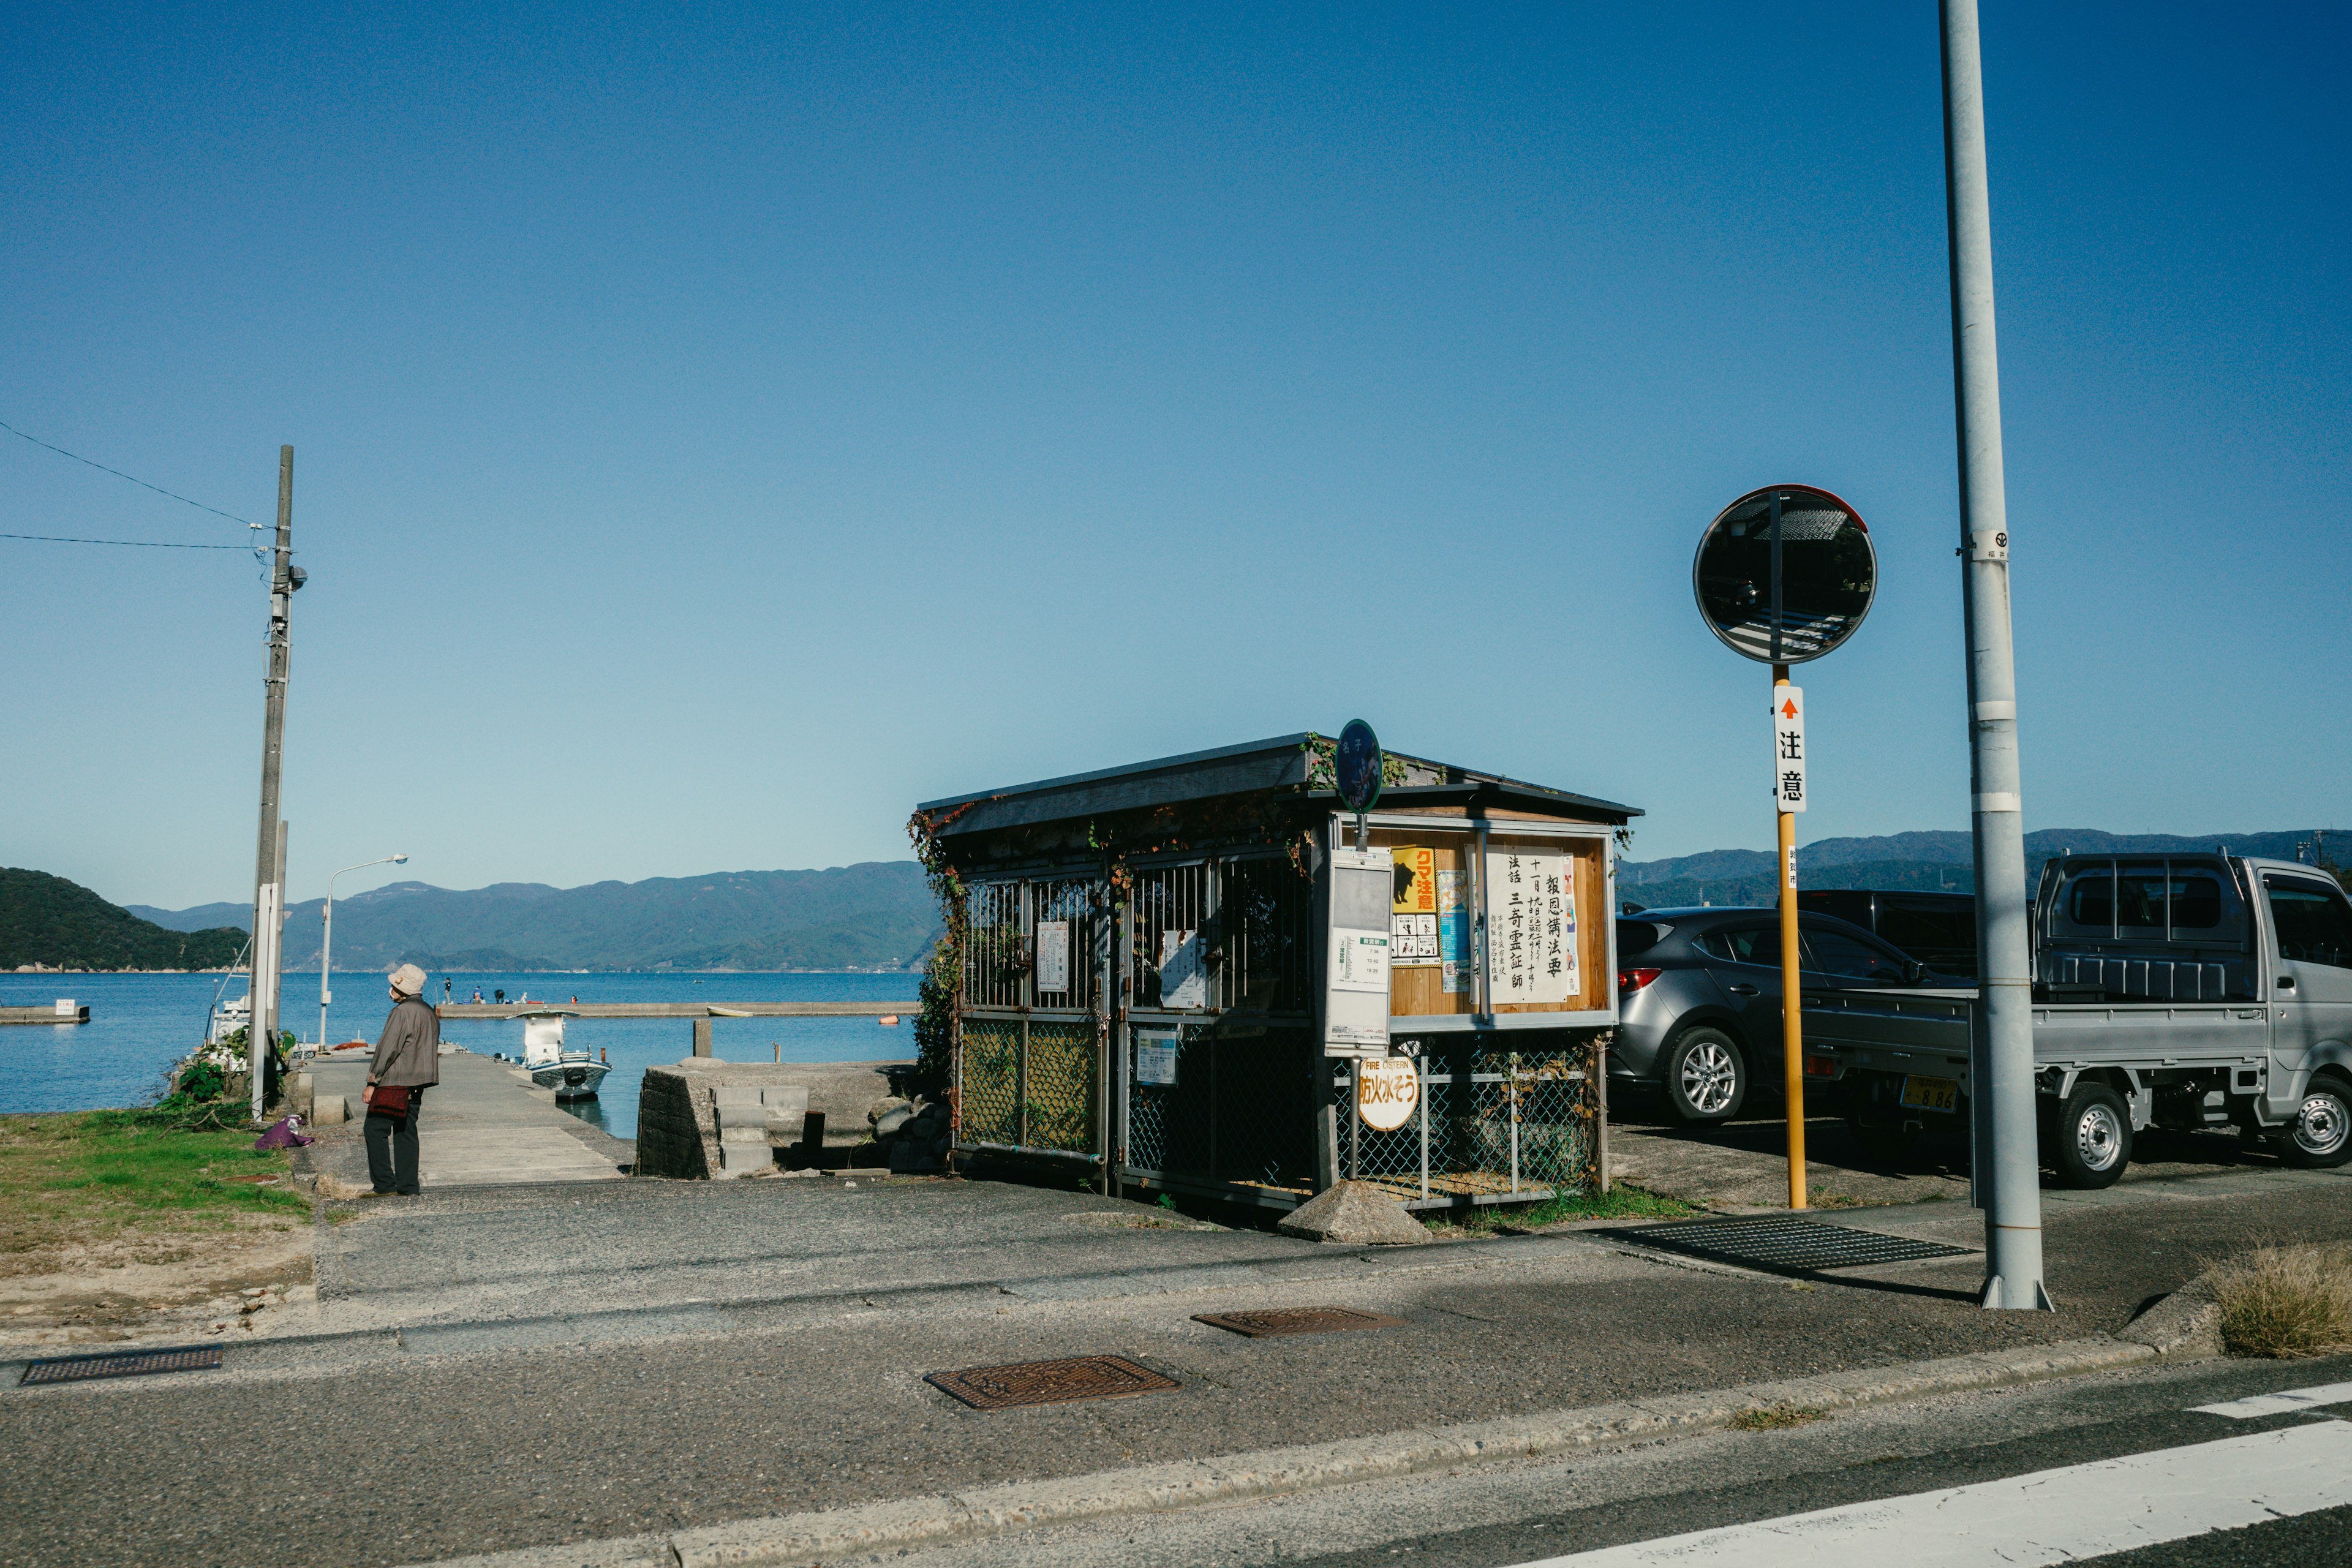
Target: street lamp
327,944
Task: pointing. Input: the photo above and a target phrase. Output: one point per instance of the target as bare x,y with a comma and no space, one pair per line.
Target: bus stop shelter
1144,957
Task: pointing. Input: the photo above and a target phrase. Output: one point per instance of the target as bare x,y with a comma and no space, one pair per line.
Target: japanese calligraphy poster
1531,927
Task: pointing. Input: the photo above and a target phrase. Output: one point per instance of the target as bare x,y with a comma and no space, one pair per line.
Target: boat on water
572,1074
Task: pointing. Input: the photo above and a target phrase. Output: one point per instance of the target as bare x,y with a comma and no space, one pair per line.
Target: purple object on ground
281,1135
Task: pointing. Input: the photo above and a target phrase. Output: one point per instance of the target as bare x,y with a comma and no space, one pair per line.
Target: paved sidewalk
578,1362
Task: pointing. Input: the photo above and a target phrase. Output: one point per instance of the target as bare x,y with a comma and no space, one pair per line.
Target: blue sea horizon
141,1023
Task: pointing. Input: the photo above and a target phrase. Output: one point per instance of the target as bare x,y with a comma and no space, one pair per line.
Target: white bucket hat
408,980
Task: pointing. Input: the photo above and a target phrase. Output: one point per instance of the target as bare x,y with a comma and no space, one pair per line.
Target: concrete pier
485,1125
79,1014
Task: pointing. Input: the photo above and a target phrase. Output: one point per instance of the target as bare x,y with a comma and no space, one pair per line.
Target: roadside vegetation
1622,1201
2286,1301
140,1179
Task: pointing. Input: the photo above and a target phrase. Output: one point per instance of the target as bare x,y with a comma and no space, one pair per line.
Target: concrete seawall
677,1132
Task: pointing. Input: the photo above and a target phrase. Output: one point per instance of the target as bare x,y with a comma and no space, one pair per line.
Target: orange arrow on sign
1788,708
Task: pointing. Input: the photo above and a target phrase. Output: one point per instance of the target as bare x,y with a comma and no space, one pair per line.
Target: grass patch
104,1175
1774,1417
1622,1201
2286,1301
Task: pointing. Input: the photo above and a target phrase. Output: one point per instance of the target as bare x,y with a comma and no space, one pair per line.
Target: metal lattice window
1001,950
996,944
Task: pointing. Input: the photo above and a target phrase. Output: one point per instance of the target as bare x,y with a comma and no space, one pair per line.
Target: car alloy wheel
1708,1078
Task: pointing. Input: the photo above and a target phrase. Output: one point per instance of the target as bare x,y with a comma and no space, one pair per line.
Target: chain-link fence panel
991,1068
1241,1109
1059,1110
1490,1124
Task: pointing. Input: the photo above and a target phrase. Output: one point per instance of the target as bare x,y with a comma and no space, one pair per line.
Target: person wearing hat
407,1062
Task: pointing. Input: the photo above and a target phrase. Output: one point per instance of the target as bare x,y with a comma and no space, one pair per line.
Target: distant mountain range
58,925
1911,861
876,915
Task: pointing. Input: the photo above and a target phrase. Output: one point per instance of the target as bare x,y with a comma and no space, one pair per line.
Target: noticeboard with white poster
1052,957
1531,932
1451,909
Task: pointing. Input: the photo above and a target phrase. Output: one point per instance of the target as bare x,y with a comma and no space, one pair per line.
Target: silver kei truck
2185,991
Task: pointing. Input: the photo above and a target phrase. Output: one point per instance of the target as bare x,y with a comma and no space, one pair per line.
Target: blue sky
717,431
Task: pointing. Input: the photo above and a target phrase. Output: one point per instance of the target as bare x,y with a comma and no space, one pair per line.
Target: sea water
141,1023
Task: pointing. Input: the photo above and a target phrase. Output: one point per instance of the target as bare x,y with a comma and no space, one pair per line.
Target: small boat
572,1075
230,1016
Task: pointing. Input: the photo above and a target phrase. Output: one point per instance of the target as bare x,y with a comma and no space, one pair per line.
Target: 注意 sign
1787,749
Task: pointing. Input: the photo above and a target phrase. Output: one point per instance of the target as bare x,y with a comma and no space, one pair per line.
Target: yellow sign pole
1792,1012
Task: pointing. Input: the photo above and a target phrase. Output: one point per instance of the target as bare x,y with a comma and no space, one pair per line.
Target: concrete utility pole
269,870
2007,1167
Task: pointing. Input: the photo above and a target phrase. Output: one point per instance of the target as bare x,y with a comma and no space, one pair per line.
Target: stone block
329,1111
744,1159
1357,1212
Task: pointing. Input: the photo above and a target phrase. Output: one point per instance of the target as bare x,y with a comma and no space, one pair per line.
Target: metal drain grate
1784,1245
120,1363
1050,1381
1296,1321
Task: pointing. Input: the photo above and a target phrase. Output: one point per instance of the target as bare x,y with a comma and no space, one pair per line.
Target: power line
119,474
139,544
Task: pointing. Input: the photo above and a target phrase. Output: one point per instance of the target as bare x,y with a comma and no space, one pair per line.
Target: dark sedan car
1698,995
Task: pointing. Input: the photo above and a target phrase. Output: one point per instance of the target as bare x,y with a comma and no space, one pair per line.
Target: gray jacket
410,1051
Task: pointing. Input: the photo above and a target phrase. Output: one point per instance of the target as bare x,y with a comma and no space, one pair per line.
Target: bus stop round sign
1786,573
1355,766
1386,1089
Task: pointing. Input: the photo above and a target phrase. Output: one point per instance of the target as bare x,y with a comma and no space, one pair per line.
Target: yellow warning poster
1416,880
1413,918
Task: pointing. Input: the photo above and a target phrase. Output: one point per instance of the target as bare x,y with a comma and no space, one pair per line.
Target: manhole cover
1050,1381
1786,1245
120,1363
1296,1321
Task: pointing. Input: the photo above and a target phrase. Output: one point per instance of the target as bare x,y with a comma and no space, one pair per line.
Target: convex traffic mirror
1785,574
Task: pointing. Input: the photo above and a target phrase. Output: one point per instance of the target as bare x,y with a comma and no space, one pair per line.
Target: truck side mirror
1914,972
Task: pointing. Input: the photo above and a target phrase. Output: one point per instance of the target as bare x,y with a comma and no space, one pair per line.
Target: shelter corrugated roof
1278,763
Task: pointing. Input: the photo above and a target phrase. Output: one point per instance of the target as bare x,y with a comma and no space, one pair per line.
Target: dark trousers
392,1147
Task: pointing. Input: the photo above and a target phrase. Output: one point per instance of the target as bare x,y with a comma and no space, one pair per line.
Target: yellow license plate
1932,1093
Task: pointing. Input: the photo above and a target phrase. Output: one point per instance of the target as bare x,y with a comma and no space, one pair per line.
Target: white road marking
2050,1516
2281,1403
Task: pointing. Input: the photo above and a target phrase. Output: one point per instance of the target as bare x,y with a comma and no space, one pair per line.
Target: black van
1939,930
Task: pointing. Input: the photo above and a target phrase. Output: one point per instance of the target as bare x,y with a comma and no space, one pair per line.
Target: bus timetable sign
1785,574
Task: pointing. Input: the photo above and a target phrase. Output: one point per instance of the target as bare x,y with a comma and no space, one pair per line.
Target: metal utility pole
269,871
2008,1167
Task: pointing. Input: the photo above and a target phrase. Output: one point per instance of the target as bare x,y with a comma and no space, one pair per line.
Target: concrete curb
795,1541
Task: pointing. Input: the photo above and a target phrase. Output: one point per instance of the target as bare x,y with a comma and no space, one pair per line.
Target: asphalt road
1505,1516
780,1368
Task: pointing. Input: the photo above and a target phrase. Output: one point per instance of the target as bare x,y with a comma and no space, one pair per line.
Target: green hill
874,915
49,920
